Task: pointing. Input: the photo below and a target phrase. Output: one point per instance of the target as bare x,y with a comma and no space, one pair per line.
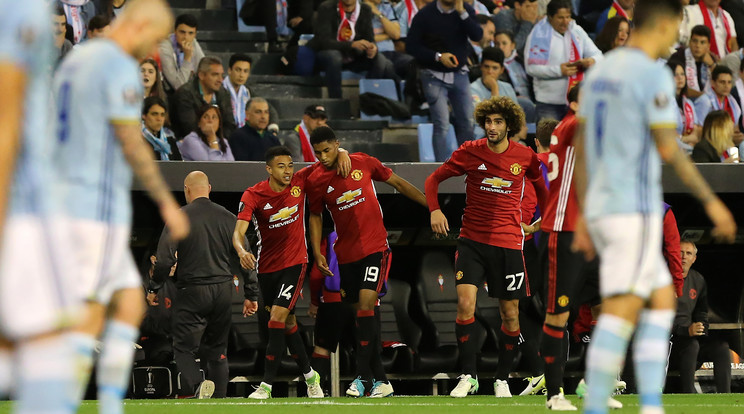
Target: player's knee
279,314
465,306
319,350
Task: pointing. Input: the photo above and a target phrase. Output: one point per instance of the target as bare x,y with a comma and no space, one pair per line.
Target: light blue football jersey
96,86
26,42
623,97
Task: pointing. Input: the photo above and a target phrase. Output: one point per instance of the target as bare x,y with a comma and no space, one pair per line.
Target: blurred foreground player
627,126
491,240
99,145
362,248
36,304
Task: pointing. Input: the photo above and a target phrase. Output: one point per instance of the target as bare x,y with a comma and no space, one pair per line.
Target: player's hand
449,60
175,219
568,69
439,224
724,226
582,242
248,261
531,228
249,308
696,329
152,299
312,311
343,163
459,6
322,264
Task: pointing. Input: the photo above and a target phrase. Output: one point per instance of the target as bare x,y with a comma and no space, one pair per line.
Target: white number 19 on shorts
515,281
371,274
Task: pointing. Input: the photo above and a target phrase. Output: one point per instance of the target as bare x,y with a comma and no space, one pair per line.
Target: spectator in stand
251,142
479,8
387,30
110,8
153,84
180,53
558,53
614,34
475,48
298,141
207,88
717,132
78,14
207,142
237,76
709,13
514,72
688,123
691,343
154,114
263,13
438,39
344,39
406,10
520,20
719,96
98,26
488,85
300,17
622,8
698,61
59,25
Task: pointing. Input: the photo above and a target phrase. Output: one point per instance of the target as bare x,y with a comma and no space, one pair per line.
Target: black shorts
369,273
281,288
571,280
334,321
501,268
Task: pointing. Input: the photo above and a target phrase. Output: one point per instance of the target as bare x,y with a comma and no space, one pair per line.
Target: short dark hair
60,11
151,101
483,19
494,54
98,22
507,33
573,94
276,151
544,131
239,57
187,19
721,70
647,12
322,134
522,1
556,5
702,31
511,111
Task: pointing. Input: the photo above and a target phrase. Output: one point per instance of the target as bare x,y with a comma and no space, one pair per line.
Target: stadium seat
244,343
242,27
382,87
397,329
426,143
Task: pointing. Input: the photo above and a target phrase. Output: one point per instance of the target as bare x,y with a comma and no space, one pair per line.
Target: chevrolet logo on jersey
283,214
496,182
349,196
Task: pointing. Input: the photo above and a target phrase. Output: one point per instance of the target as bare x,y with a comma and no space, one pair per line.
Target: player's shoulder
256,189
474,145
521,150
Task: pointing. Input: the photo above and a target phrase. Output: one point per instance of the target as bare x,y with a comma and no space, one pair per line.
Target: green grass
675,404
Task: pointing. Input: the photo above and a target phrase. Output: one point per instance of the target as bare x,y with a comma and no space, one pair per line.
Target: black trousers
688,354
201,324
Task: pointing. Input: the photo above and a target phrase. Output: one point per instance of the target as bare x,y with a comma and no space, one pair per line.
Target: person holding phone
438,39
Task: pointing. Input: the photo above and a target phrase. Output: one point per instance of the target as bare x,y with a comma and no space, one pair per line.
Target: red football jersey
279,219
529,204
494,190
353,205
562,207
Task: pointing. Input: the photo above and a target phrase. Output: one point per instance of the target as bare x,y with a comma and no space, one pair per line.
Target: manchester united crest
295,191
357,175
563,301
459,275
516,168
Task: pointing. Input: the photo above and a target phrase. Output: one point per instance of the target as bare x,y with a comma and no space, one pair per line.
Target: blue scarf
160,143
517,75
176,50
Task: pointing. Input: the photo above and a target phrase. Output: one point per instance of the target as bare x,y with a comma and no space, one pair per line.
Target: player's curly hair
510,110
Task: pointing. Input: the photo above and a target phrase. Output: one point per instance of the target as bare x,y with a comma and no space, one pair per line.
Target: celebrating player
491,240
627,124
362,247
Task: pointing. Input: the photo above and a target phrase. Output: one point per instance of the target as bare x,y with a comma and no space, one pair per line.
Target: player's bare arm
581,242
316,229
439,224
139,156
13,85
407,189
724,225
247,259
343,163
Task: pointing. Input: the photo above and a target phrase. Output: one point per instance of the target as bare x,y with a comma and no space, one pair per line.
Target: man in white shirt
558,52
719,21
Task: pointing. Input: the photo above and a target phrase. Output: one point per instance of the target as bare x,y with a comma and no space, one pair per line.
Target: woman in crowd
151,79
206,143
614,34
161,138
688,124
514,72
718,130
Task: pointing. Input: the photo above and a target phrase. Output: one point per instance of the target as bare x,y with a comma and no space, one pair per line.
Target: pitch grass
674,404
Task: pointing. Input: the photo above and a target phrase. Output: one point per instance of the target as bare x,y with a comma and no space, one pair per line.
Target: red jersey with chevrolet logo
494,190
352,202
279,219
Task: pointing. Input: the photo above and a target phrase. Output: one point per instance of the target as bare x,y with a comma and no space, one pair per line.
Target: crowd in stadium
511,72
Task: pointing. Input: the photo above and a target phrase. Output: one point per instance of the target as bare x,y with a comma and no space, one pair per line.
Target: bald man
98,147
206,265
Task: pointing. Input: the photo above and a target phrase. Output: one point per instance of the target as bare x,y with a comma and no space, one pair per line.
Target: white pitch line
398,403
